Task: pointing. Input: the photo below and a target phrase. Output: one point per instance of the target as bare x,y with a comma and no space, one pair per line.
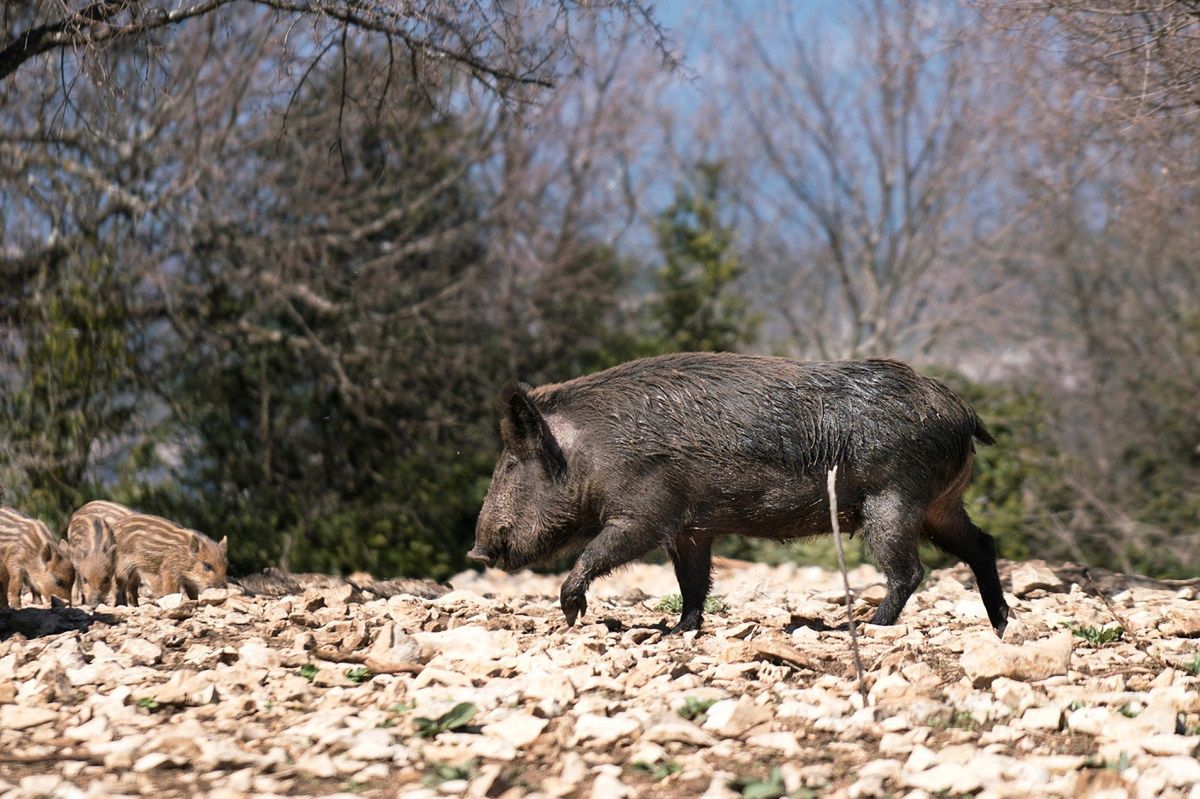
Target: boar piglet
168,557
675,450
33,557
93,548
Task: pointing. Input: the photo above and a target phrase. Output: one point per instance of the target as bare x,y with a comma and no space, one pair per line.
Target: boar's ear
47,552
524,429
223,547
194,543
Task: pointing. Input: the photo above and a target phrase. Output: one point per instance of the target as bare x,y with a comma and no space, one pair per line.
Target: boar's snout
482,557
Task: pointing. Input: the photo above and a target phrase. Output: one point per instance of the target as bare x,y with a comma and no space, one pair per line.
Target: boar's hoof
999,621
573,601
687,623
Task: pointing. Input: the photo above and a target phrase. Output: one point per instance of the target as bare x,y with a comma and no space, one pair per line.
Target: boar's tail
981,433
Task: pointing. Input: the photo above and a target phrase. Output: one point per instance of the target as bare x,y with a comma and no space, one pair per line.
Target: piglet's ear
224,545
524,430
47,552
194,543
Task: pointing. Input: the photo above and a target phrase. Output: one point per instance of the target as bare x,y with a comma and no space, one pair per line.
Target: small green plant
445,772
770,788
148,703
957,719
1193,668
394,713
1098,636
1078,703
453,719
308,671
673,603
1127,710
351,786
694,709
658,771
359,675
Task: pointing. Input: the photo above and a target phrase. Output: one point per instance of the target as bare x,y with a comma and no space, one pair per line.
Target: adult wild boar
675,450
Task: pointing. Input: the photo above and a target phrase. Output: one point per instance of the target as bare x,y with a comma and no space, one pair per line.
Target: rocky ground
481,692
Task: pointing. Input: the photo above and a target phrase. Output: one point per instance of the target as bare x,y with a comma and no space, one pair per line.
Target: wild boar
93,548
674,450
170,558
33,557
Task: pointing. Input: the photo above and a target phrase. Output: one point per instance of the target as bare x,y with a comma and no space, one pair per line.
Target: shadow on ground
38,622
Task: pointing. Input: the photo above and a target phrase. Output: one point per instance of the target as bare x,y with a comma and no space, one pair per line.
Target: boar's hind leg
953,532
891,529
692,555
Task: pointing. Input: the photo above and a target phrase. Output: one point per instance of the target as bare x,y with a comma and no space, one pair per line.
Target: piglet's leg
168,582
621,541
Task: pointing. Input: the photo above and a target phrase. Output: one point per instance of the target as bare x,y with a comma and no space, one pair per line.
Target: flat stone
731,718
1032,576
946,778
518,729
1040,718
171,601
21,717
597,730
986,658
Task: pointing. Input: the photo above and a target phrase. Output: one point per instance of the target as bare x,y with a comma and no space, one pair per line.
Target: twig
841,555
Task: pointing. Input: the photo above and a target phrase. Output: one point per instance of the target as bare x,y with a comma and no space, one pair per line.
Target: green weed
453,719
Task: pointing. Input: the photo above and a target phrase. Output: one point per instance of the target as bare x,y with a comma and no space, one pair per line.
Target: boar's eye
509,465
208,567
60,582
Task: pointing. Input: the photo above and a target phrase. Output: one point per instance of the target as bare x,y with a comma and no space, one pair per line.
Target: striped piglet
93,548
31,556
167,557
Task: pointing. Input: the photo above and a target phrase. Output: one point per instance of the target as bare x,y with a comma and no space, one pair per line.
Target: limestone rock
985,658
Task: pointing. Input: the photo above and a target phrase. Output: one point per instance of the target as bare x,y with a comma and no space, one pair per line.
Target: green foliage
359,675
956,719
770,788
697,306
673,603
447,772
1098,636
658,771
694,709
308,671
453,719
149,703
1193,668
70,396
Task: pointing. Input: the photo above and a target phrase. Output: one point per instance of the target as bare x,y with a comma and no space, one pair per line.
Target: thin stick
841,555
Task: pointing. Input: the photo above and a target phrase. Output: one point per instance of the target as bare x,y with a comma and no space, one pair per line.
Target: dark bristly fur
169,557
31,556
674,450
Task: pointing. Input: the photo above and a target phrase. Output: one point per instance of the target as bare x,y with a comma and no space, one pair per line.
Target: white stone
731,718
141,652
985,658
599,730
1040,718
170,601
784,742
1028,577
946,778
518,729
21,717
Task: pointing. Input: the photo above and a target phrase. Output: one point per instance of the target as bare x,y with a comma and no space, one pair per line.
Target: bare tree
495,43
864,175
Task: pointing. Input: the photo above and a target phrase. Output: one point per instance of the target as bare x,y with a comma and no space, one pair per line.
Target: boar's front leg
691,553
621,541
